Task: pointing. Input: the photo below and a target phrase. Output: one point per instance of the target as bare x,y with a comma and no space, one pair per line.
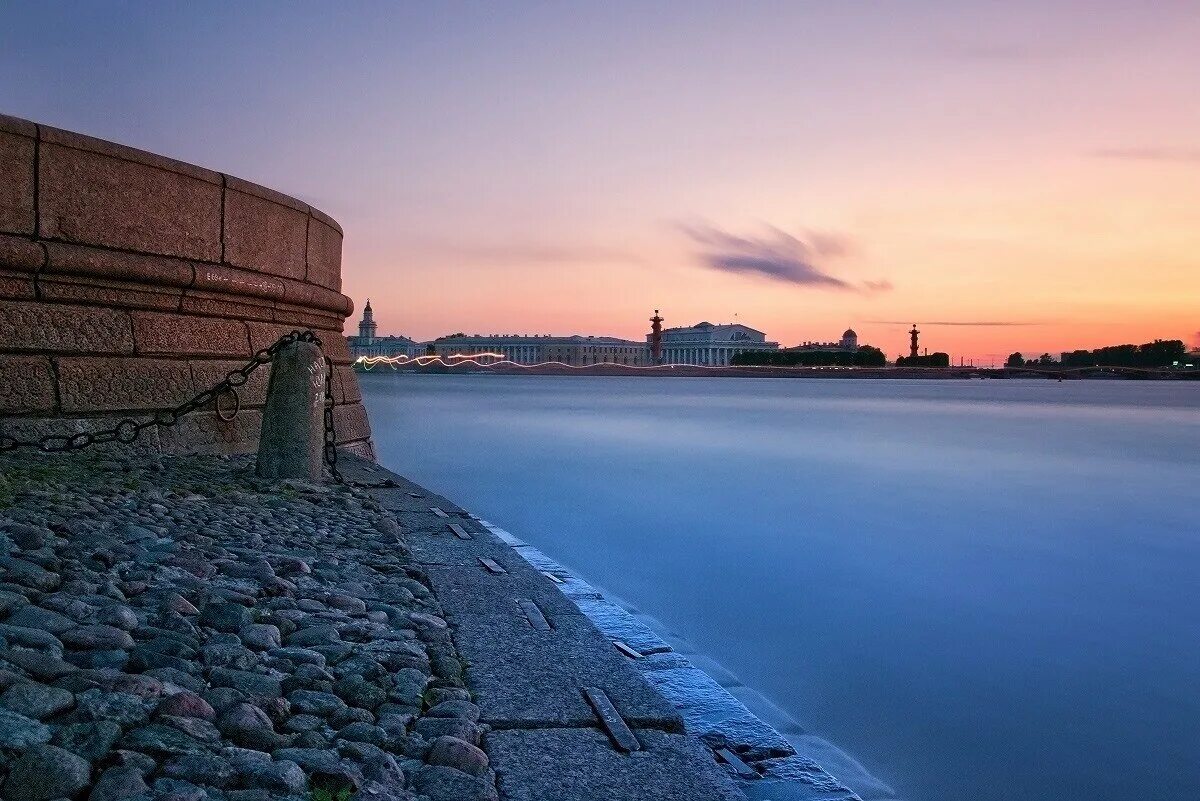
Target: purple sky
546,168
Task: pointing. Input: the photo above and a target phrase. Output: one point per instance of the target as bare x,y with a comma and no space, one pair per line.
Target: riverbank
176,628
471,367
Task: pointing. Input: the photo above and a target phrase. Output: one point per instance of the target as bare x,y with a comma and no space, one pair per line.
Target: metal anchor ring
237,405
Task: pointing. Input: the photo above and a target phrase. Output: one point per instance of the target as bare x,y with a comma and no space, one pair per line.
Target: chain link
128,430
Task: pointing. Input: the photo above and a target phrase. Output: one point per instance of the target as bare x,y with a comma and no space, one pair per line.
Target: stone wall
130,282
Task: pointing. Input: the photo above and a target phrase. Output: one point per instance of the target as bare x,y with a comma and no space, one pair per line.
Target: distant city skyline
938,342
1026,173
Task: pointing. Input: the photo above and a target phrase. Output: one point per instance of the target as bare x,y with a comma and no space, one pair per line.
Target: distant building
847,344
700,344
577,351
709,344
368,344
366,326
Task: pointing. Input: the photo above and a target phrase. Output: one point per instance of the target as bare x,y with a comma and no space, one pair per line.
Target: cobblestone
178,628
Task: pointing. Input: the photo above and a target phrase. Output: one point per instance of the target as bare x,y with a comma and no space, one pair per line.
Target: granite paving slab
441,547
582,765
568,583
709,710
522,677
470,590
618,624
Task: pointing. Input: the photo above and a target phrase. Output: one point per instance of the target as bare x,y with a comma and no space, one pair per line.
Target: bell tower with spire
366,326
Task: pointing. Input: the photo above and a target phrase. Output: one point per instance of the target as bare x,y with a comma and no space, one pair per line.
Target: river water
979,589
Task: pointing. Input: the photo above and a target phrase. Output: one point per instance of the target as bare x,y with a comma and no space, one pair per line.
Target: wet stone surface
179,628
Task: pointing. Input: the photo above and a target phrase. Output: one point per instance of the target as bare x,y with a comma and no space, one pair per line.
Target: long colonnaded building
576,351
703,344
710,344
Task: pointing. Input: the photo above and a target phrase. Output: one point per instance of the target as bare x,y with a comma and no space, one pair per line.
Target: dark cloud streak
778,256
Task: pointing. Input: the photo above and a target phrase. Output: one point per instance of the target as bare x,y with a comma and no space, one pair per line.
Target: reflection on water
982,590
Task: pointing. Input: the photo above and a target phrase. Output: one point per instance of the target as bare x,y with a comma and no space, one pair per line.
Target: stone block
160,272
185,335
16,190
213,304
26,384
287,314
335,346
433,543
219,278
345,385
64,328
16,125
469,589
324,254
363,449
16,286
291,444
350,423
264,230
709,710
112,384
206,374
98,198
20,255
412,512
263,335
570,584
582,765
103,147
618,624
311,296
523,677
205,432
99,292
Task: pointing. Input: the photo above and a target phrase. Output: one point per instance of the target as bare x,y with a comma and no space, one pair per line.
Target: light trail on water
460,359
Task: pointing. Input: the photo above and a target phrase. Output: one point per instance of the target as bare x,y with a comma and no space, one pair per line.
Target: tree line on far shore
865,356
1159,353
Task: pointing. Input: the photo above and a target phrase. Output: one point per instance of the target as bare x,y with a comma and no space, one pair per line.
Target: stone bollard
292,441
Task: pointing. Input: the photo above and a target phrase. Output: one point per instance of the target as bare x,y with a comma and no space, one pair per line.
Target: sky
1008,175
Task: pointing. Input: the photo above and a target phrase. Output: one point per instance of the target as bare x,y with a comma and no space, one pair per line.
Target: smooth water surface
980,589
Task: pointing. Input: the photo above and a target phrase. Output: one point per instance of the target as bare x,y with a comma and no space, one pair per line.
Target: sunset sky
1030,174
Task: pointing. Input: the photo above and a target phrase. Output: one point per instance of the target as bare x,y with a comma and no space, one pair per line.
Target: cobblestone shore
174,628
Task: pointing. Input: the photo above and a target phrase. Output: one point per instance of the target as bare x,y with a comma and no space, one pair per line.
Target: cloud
1177,155
959,322
778,256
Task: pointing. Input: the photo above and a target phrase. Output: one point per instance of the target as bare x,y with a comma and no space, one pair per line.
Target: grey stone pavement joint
546,741
531,682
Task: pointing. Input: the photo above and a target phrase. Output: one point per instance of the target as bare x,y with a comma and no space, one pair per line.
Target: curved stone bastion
130,282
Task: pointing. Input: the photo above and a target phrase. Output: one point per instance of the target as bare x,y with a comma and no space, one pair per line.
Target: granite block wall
131,281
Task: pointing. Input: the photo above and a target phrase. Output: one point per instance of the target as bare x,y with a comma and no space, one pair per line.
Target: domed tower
850,339
366,326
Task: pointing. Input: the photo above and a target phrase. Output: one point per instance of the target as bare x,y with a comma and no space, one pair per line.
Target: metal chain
331,455
128,430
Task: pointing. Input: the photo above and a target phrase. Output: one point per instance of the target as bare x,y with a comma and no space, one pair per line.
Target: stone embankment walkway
174,628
